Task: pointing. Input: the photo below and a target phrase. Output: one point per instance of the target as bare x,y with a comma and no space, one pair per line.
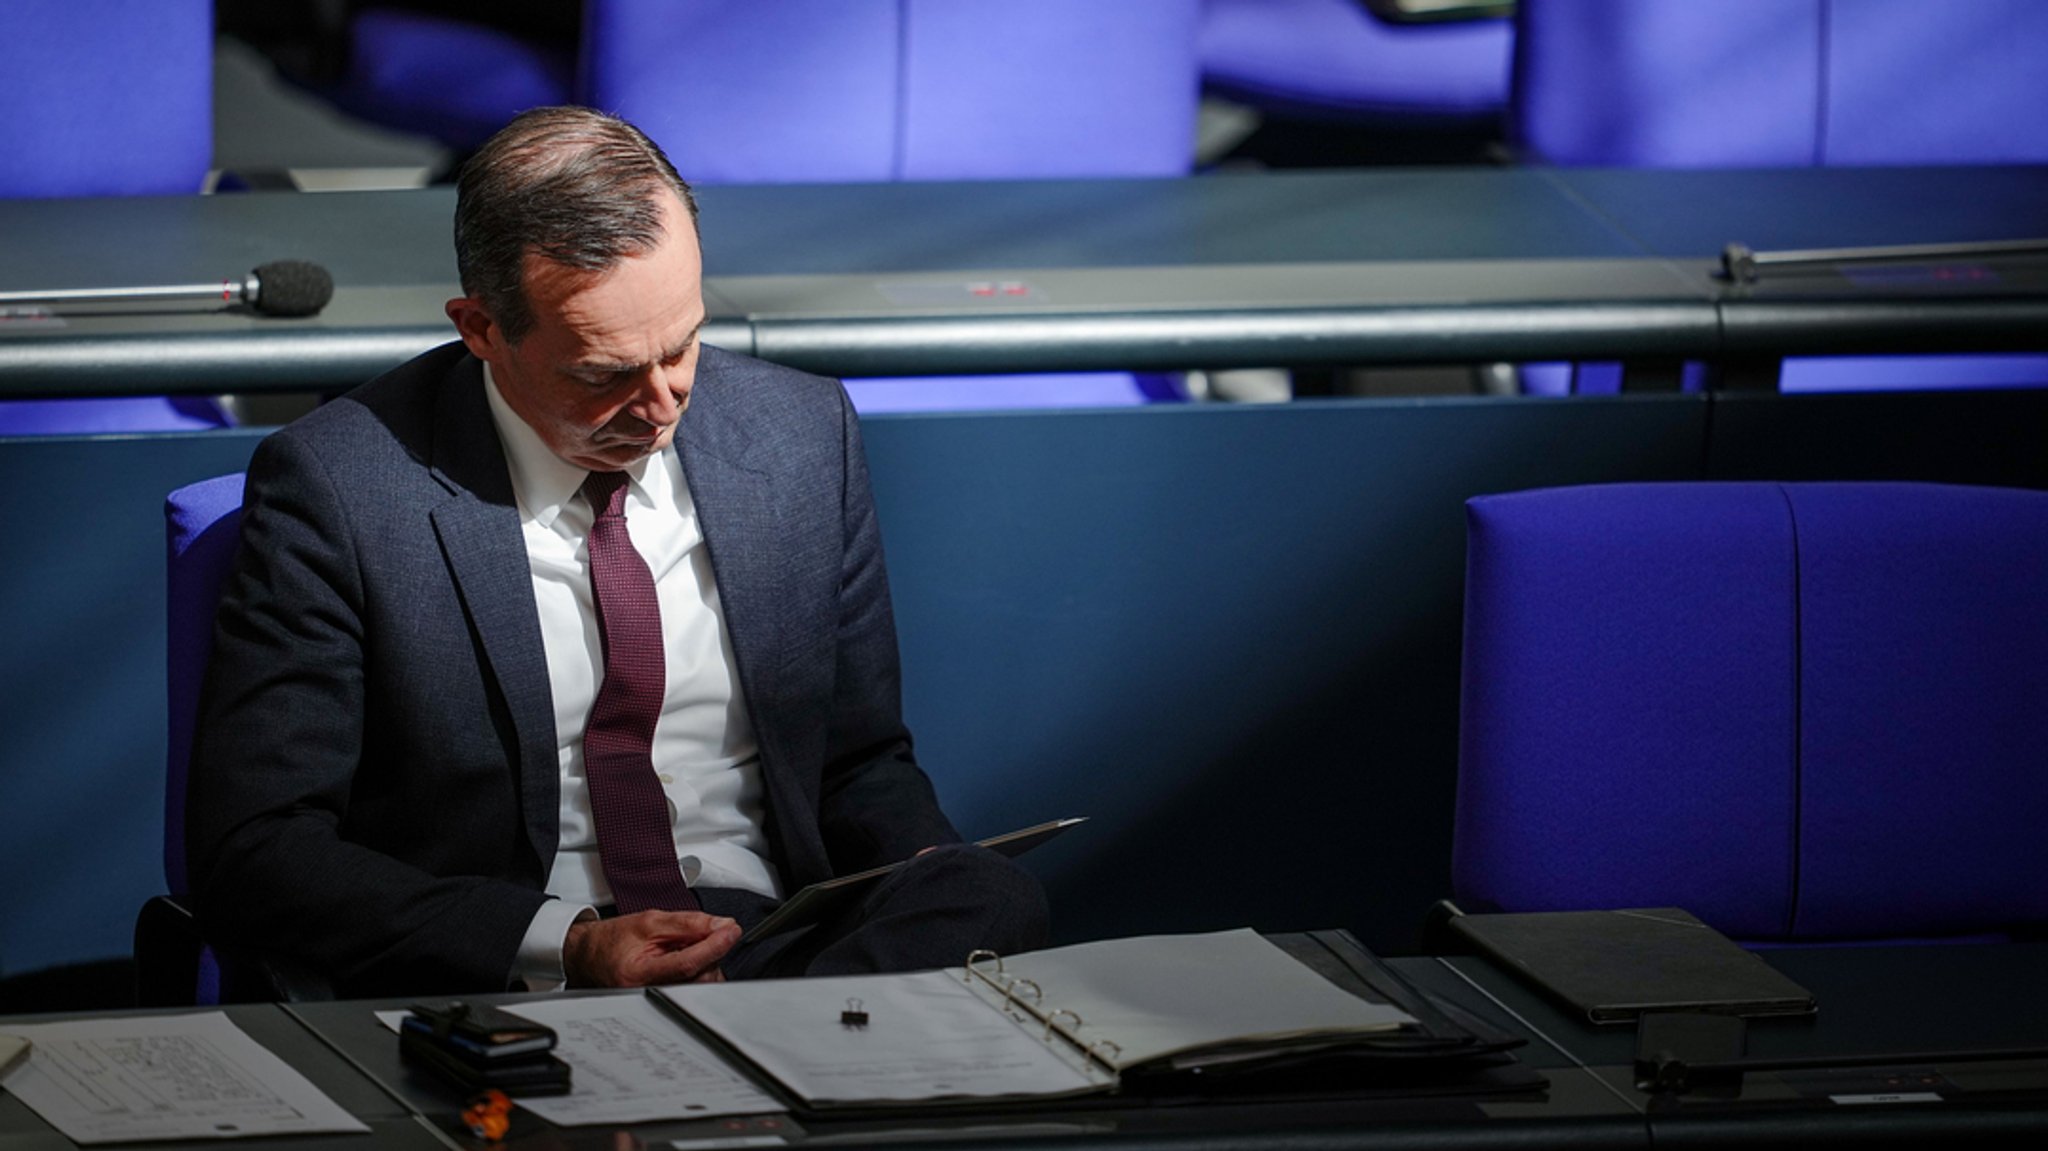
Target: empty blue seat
1801,711
111,416
455,81
829,91
869,90
1335,58
1790,83
1780,83
106,98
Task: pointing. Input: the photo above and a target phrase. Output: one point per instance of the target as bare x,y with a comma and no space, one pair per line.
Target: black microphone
279,288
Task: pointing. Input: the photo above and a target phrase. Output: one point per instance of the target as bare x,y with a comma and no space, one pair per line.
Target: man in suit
391,782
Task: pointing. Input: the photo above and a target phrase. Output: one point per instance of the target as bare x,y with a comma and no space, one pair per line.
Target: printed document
164,1077
630,1063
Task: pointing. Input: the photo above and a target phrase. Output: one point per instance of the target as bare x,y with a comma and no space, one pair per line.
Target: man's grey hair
575,186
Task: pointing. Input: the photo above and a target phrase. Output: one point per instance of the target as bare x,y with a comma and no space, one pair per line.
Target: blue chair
174,964
816,90
1789,83
1335,59
106,98
833,91
202,524
1780,83
866,90
118,415
453,80
1802,711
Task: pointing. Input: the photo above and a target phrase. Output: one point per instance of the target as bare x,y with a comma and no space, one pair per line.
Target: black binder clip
854,1015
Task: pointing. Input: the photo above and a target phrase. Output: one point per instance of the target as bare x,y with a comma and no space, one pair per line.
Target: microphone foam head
292,288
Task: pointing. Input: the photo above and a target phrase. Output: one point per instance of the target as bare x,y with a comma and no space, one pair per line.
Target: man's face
606,369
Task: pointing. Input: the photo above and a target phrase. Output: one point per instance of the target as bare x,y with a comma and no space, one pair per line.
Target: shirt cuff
539,962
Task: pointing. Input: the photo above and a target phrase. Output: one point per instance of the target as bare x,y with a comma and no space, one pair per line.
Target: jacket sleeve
876,804
280,859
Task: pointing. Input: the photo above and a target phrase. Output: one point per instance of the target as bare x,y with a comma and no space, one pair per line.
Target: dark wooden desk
1916,1001
1876,1000
1296,268
1576,1108
392,1123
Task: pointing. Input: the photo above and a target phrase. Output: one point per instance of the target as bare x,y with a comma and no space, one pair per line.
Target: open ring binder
1008,987
1045,1024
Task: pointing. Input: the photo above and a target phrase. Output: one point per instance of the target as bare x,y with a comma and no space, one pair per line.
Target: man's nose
663,393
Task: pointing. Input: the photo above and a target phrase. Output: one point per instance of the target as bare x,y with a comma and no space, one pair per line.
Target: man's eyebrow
604,368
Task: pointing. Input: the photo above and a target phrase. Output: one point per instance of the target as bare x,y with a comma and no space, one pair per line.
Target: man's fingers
647,947
686,925
687,962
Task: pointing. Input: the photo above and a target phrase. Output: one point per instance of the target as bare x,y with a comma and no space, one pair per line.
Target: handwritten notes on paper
166,1077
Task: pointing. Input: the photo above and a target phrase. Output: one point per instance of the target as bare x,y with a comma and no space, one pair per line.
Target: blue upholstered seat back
1802,711
743,91
1335,58
202,523
853,90
105,97
1781,83
1789,83
449,79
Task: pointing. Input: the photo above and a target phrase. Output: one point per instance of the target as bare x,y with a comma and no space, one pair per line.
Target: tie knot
606,492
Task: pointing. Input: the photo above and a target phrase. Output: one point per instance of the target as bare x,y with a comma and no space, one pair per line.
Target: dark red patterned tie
634,841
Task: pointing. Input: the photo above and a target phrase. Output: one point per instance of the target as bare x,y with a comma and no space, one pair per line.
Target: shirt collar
544,481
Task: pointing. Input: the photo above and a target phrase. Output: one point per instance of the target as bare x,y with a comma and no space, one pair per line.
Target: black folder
1615,965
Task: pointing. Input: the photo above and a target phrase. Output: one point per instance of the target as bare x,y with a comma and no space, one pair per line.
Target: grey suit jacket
374,783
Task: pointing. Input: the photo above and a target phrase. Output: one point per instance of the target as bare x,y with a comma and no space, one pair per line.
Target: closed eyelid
603,373
689,341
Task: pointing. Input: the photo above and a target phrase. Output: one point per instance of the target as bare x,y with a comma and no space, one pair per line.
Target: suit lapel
740,512
478,527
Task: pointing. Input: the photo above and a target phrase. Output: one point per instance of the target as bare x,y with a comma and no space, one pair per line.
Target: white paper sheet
630,1063
1156,995
927,1038
163,1077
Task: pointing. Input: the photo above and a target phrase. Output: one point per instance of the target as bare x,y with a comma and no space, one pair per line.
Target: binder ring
1010,989
1052,1022
979,955
1093,1052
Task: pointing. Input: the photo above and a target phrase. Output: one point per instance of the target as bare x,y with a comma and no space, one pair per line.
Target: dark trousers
929,913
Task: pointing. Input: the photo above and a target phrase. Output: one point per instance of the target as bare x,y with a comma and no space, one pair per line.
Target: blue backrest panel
1923,753
1628,706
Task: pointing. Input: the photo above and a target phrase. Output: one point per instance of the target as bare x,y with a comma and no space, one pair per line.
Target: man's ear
481,334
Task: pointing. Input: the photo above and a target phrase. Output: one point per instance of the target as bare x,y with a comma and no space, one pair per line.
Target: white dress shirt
704,749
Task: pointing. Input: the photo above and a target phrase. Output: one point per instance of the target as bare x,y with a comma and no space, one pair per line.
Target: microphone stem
225,292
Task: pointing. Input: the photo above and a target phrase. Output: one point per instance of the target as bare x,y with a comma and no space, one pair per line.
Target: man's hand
647,948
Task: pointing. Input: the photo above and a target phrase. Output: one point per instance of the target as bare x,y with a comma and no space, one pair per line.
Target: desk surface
1873,1000
1916,1002
1417,265
392,1123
